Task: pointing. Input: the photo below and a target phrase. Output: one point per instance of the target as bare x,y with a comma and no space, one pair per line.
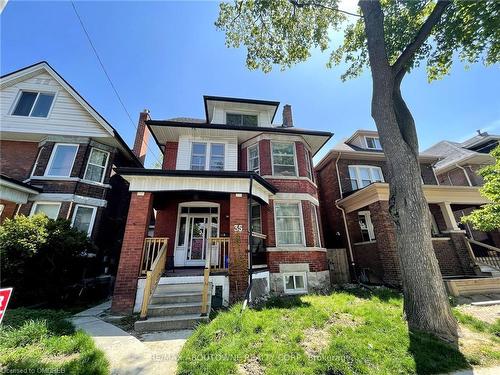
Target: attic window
373,143
33,104
241,120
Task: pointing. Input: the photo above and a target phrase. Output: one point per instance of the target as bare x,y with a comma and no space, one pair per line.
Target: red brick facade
316,259
238,251
9,210
170,156
17,158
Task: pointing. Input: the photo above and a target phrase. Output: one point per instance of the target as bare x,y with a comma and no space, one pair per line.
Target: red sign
4,300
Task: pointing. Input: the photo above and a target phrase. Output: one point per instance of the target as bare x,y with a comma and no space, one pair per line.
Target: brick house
354,197
57,155
233,180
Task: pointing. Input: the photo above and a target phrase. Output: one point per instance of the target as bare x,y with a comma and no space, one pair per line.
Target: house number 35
238,228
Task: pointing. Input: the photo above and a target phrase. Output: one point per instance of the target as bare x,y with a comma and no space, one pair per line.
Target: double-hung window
256,218
366,226
253,158
83,218
49,209
295,282
217,156
239,119
198,156
62,159
96,165
283,155
289,229
214,161
33,104
362,175
373,143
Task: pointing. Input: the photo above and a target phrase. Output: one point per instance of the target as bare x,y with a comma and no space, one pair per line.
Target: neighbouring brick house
458,165
201,198
355,214
57,155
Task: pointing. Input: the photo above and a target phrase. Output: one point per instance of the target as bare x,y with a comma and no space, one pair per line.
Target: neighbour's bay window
207,156
96,165
366,226
289,227
253,158
239,119
83,218
33,104
61,160
49,209
363,175
283,155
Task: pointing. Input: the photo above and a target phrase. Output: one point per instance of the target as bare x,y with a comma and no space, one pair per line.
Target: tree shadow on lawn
283,302
434,356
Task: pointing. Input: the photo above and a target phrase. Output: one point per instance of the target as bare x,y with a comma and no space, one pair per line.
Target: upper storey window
253,158
284,159
241,119
62,160
362,175
33,104
214,161
373,143
96,165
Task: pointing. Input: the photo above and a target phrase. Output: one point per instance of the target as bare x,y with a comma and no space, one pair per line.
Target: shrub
41,258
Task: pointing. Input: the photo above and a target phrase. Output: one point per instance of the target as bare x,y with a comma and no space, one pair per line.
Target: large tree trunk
425,299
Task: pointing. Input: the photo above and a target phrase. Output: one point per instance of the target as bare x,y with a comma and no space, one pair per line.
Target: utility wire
110,81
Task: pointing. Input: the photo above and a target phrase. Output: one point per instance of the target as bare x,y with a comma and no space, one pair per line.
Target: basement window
295,283
33,104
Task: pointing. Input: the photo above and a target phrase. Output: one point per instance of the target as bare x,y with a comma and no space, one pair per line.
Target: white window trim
369,224
358,178
260,218
33,206
208,153
89,163
301,218
2,206
38,92
295,291
372,148
256,145
52,155
294,158
92,219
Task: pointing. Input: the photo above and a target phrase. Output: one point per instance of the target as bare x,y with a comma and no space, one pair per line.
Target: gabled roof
12,78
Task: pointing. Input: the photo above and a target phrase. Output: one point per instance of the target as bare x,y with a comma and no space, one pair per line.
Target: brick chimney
287,116
141,137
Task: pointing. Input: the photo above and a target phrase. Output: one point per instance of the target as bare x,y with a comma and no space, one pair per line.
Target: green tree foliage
487,218
41,258
284,32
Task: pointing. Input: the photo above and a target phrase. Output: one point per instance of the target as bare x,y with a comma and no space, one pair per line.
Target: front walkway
155,354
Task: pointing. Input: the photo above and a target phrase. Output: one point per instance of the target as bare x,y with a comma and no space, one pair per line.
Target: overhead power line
110,80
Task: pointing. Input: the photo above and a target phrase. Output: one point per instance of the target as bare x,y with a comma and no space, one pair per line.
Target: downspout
433,167
465,173
349,246
250,238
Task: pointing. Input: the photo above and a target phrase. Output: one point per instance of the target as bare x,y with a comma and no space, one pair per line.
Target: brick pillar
139,215
459,243
386,241
238,255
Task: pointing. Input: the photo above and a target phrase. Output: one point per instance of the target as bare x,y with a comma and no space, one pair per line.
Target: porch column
139,215
238,254
449,218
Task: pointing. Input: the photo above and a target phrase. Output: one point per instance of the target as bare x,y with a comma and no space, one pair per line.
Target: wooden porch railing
152,246
493,257
217,260
154,270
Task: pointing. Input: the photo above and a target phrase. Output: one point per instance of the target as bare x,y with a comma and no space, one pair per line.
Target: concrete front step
175,297
163,323
181,287
171,309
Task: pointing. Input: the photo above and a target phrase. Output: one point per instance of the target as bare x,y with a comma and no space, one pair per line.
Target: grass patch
44,341
346,332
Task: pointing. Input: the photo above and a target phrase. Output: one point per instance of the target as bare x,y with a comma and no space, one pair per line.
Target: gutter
465,173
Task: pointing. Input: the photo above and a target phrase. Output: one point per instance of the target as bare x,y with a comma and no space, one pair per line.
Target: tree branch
295,3
422,35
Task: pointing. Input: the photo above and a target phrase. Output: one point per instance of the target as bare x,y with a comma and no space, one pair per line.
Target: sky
164,56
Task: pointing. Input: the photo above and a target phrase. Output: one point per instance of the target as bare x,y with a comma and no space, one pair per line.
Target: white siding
67,116
184,152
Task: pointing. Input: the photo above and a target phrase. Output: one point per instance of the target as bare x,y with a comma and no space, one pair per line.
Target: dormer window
373,143
239,119
33,104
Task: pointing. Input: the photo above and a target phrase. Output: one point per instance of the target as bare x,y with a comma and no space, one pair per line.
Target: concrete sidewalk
128,355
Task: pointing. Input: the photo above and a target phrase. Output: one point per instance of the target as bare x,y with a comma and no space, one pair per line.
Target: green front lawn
44,341
346,332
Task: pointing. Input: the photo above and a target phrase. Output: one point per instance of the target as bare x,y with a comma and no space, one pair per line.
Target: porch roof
379,191
187,180
16,191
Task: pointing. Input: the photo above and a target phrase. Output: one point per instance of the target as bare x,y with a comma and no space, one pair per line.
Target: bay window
96,165
256,218
253,158
363,175
49,209
62,159
33,104
283,155
83,218
289,227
